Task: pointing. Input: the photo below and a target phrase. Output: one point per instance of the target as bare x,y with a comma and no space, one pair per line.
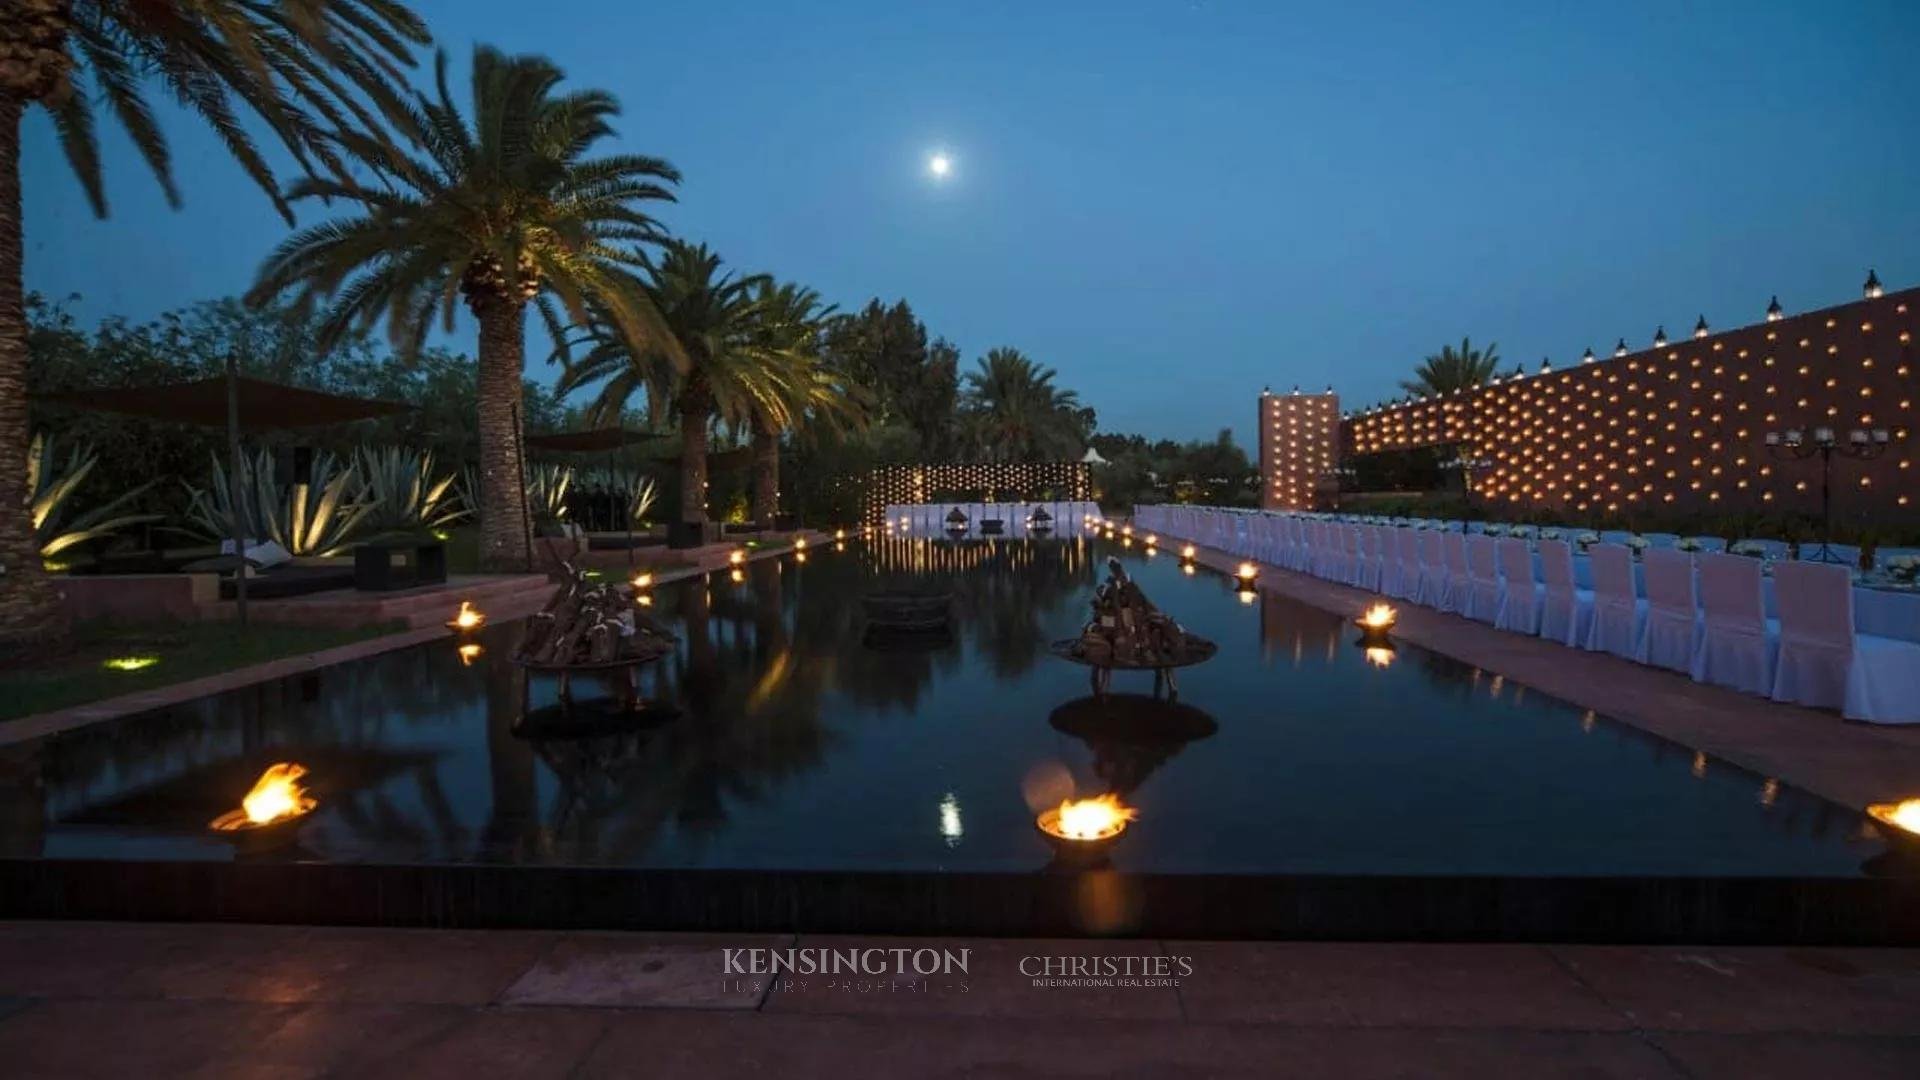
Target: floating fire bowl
466,619
1899,822
1376,623
269,814
1085,830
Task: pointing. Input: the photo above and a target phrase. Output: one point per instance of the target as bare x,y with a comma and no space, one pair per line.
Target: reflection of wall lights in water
951,827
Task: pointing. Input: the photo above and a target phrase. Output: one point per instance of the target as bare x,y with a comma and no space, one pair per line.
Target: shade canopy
264,406
598,439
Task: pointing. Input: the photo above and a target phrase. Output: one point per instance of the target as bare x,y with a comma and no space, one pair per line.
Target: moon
939,165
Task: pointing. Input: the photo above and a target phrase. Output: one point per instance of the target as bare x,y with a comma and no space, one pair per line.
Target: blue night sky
1174,203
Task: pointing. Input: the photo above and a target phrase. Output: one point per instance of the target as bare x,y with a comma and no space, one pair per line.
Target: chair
1400,565
1366,557
1673,615
1616,610
1483,580
1432,588
1823,662
1459,578
1735,650
1520,595
1566,611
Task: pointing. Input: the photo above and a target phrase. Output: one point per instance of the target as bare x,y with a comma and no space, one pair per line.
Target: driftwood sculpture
591,626
1128,631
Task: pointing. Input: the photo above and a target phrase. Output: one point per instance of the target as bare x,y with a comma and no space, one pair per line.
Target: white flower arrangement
1494,530
1687,543
1586,540
1752,549
1638,543
1550,534
1522,531
1904,567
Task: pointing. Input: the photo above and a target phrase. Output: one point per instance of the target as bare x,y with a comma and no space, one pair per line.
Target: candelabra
1794,444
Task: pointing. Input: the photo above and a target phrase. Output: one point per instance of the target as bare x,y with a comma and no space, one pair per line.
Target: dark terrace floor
160,1000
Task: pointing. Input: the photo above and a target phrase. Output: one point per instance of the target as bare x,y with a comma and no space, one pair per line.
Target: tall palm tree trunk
30,607
766,474
503,495
695,406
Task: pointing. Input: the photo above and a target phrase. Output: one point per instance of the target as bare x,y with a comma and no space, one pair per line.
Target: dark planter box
786,522
686,534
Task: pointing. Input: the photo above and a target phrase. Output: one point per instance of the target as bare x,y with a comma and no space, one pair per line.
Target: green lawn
109,659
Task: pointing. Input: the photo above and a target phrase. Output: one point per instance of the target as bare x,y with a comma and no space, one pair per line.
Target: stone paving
162,1000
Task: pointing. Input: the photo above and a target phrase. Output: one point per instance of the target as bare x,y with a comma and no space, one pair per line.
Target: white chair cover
1735,649
1520,595
1566,611
1816,633
1616,611
1483,580
1823,662
1406,563
1459,578
1672,619
1432,588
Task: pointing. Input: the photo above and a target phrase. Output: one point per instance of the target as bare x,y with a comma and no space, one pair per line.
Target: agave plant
405,495
319,518
641,496
547,490
50,482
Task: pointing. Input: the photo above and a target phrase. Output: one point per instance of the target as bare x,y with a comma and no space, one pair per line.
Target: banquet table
1880,612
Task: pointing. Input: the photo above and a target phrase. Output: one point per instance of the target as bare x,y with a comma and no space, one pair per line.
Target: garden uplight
466,618
130,663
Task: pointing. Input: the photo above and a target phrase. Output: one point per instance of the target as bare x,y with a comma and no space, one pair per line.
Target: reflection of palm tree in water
513,824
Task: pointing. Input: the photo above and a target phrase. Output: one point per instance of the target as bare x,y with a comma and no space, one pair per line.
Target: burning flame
736,556
1379,617
276,796
799,543
467,618
1098,818
1189,551
1126,530
1152,539
839,534
469,653
1379,656
1901,815
643,581
1247,571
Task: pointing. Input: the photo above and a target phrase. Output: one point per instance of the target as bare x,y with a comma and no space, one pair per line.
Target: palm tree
1450,369
288,63
806,394
711,320
1015,413
501,212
